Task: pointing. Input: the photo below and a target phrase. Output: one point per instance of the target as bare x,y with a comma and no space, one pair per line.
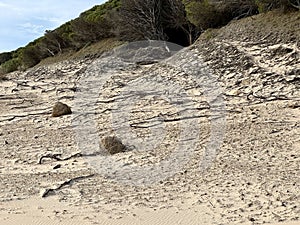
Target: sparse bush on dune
113,145
30,56
5,56
10,65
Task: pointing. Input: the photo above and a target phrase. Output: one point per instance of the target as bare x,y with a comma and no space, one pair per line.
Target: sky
22,21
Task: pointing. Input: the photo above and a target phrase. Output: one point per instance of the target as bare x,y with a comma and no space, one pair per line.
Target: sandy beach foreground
37,211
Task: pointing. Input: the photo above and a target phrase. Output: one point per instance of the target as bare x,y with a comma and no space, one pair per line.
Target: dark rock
60,109
57,166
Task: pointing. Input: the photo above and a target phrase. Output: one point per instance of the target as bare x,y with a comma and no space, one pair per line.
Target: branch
21,116
50,191
57,157
295,6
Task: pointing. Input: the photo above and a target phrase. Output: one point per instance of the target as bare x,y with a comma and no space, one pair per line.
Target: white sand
36,211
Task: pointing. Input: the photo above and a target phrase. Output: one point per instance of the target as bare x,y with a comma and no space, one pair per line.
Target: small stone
233,92
57,167
60,109
294,105
252,219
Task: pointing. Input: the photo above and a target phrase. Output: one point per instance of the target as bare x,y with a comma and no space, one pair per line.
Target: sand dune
212,136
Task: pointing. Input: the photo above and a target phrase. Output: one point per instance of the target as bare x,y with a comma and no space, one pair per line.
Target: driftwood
146,62
50,191
74,89
66,97
57,157
12,117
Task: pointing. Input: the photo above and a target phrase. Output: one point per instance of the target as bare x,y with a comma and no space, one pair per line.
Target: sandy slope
255,176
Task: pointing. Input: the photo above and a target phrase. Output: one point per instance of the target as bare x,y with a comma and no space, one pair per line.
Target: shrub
5,56
267,5
10,65
209,14
203,14
85,31
99,12
30,56
113,145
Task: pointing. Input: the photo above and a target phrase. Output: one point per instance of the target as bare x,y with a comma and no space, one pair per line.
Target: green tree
5,56
85,31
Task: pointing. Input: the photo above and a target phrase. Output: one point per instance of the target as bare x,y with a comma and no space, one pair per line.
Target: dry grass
274,26
95,49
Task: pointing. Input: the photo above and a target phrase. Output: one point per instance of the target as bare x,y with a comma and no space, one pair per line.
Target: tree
295,4
85,31
211,14
140,19
203,14
5,56
174,16
30,56
53,42
153,20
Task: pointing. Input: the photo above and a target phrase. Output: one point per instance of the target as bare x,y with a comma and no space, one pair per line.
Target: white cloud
53,22
8,10
4,5
33,28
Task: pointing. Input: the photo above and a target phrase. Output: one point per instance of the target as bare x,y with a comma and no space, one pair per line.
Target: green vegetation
178,21
5,57
285,5
10,65
90,27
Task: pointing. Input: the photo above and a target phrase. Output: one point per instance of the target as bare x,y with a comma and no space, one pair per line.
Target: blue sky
22,21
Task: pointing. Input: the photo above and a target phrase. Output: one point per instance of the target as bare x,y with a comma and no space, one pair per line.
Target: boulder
60,109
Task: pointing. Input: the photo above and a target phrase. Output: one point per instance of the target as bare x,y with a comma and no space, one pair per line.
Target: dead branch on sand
50,191
57,156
